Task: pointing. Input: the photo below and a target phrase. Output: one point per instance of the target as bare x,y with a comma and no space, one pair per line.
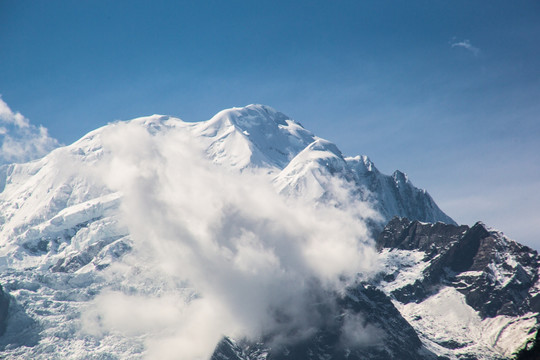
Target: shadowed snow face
217,252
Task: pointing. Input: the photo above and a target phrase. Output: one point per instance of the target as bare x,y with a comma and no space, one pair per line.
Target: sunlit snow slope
155,237
305,165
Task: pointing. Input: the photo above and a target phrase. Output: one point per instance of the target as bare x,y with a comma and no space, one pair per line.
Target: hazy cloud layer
223,253
20,141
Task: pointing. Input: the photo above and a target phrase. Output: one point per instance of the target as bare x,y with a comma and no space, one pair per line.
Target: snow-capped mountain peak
251,116
248,192
253,136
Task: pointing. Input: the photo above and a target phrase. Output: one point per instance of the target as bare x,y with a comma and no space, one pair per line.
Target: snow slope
154,237
253,136
469,292
51,197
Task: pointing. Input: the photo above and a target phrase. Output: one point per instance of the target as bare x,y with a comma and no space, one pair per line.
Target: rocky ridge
361,324
60,231
494,280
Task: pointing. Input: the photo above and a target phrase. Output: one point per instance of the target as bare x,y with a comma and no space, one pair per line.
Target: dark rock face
496,275
531,351
364,324
401,233
4,305
228,350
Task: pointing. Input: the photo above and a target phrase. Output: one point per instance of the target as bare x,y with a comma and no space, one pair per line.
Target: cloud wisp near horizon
21,141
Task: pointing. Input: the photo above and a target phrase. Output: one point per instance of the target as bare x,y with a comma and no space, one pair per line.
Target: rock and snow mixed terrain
155,238
467,291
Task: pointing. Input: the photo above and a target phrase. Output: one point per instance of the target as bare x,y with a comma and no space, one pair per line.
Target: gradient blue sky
446,91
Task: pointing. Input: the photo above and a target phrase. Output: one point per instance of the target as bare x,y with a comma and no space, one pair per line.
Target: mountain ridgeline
103,243
468,293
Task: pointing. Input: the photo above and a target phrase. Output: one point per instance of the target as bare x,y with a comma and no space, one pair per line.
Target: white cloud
249,261
466,44
357,332
20,141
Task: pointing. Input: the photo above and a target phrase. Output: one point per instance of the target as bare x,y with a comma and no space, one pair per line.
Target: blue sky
446,91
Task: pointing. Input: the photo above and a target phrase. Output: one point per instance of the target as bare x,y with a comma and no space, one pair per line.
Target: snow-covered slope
158,234
320,172
305,165
53,196
253,136
469,292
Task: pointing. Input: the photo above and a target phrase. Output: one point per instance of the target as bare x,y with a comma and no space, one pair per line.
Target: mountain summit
257,136
37,196
253,136
155,237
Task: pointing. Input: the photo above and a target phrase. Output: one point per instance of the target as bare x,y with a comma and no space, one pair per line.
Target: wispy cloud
21,141
466,44
256,261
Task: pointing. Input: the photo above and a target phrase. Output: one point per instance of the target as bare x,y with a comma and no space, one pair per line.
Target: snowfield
154,238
